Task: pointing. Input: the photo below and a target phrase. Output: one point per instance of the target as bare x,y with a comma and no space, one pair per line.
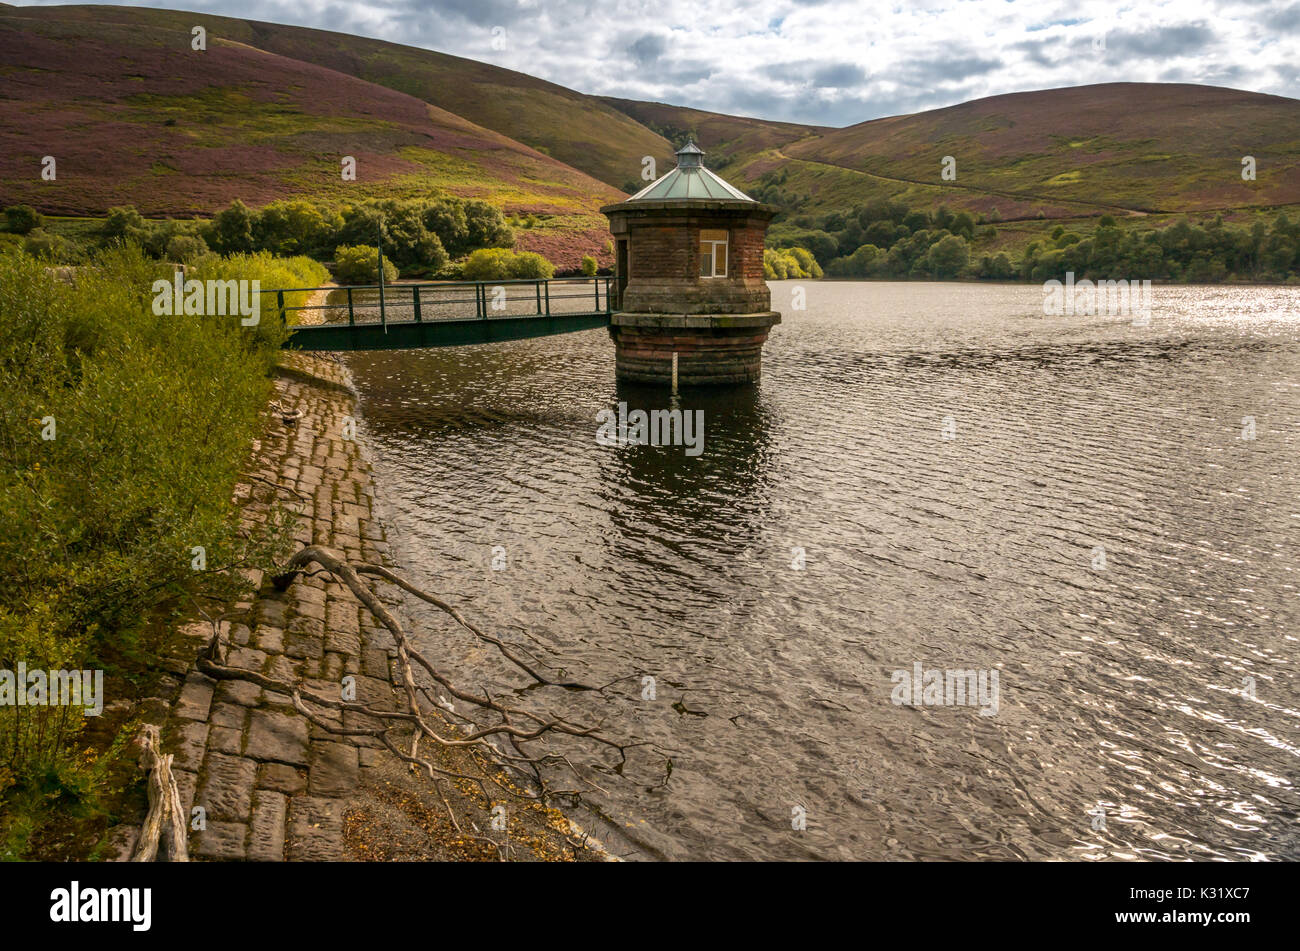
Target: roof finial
690,155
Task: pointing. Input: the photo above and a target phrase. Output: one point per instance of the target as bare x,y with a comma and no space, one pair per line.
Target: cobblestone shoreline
272,785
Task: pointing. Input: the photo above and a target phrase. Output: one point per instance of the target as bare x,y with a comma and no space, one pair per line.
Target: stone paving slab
272,785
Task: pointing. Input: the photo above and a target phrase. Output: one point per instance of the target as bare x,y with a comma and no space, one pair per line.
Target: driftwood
289,416
511,725
164,826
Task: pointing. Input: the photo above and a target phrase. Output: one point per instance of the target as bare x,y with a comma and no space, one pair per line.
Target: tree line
888,239
419,236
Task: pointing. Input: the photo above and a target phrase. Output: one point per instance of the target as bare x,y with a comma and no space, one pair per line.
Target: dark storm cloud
817,74
839,76
1042,52
946,69
1161,41
479,12
647,48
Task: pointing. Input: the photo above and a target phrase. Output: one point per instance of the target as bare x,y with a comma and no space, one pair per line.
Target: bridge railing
418,302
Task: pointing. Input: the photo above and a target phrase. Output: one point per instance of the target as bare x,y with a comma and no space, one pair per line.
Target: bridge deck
447,314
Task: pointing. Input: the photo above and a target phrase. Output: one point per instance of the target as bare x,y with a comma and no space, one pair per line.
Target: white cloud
833,62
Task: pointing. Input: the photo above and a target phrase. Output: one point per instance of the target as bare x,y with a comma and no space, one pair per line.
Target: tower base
711,349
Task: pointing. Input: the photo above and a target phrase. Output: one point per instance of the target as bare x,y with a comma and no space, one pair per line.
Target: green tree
948,256
861,263
185,248
775,265
50,248
963,224
446,218
487,226
359,264
291,227
231,231
22,219
124,223
997,267
916,221
501,264
402,227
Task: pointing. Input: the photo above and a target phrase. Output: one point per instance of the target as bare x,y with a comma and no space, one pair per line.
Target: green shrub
22,219
123,433
775,265
358,264
125,224
50,248
997,267
185,248
487,228
530,264
948,256
273,272
292,227
162,233
231,231
500,264
789,264
589,266
864,262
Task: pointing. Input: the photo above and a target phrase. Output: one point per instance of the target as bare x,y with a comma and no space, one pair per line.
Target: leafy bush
789,263
273,272
500,264
162,233
487,228
424,235
358,264
530,264
186,248
589,266
292,227
22,219
997,267
408,242
50,248
123,433
822,244
775,265
948,256
864,262
124,223
231,231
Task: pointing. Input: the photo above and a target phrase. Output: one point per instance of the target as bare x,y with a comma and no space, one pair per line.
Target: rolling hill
1057,153
729,138
133,115
1181,151
576,129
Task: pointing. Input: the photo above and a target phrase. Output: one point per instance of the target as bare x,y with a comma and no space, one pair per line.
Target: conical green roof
690,179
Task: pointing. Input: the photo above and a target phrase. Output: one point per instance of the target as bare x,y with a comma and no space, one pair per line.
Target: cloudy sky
831,62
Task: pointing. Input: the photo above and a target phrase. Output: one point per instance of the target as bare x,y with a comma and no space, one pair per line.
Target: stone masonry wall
273,786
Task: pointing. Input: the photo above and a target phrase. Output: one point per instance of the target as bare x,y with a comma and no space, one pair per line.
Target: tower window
713,253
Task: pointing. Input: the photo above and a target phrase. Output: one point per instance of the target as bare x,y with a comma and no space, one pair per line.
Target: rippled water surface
1123,689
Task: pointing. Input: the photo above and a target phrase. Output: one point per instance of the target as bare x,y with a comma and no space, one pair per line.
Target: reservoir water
929,476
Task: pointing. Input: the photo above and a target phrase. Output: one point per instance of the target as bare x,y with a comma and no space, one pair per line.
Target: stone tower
689,278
